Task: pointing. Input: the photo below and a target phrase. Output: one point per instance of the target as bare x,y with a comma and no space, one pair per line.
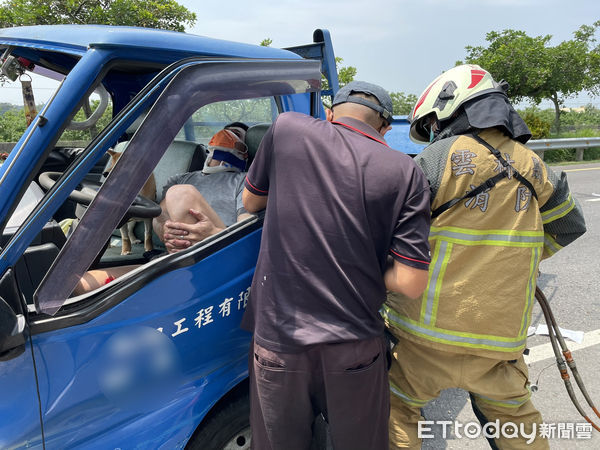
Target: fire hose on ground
564,359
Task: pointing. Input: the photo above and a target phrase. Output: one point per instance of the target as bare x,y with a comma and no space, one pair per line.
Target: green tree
12,125
164,14
539,127
403,103
580,120
346,75
535,70
587,34
5,107
248,111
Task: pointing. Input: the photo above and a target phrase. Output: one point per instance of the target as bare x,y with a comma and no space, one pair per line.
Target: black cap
385,106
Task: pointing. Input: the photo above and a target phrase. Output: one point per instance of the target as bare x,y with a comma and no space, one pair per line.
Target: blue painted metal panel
28,151
32,145
398,138
156,44
298,102
93,388
19,413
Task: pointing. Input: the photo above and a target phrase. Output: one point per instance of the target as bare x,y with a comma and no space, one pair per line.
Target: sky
398,44
401,45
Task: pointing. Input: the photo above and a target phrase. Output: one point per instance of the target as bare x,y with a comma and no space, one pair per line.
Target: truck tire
227,429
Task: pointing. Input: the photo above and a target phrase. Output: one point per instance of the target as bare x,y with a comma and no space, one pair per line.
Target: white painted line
544,351
593,200
581,170
537,353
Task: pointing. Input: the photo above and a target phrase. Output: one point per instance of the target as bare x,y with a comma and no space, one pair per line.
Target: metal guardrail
537,145
579,144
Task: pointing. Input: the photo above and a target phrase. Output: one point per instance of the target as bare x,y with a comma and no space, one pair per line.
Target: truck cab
154,358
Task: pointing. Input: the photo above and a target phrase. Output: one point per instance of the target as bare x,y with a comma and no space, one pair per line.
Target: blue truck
154,358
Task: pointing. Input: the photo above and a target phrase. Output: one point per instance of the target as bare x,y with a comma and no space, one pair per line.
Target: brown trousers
499,388
347,382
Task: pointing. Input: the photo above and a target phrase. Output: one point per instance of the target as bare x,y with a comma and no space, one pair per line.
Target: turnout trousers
347,382
500,389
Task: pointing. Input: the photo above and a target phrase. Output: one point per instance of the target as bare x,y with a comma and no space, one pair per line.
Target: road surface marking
537,353
544,351
594,199
580,170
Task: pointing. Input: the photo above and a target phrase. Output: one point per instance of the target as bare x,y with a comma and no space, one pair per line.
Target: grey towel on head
494,110
490,111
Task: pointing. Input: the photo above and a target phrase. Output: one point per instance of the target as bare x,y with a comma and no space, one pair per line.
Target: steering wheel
91,121
141,208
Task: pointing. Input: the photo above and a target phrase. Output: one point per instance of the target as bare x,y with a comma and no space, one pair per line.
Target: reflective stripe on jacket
486,249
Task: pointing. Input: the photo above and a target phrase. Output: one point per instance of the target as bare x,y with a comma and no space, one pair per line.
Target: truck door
140,361
19,403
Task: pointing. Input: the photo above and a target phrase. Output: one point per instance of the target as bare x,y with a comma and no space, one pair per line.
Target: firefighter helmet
446,94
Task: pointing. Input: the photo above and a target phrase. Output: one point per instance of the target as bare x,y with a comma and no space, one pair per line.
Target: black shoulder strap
506,165
487,184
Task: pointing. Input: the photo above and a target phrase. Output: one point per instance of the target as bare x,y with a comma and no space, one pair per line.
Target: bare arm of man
405,280
252,202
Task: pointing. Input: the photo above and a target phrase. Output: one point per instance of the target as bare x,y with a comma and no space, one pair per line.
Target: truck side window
209,119
87,123
185,154
169,113
182,163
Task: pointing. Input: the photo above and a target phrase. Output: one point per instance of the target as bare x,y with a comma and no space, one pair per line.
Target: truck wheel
227,429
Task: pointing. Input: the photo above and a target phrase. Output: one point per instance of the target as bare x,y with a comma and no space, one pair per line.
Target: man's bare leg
187,218
178,202
183,197
93,279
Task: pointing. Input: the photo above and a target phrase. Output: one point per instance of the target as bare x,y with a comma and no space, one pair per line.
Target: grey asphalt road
570,281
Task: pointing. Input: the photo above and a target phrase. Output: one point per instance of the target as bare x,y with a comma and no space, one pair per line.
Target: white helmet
447,93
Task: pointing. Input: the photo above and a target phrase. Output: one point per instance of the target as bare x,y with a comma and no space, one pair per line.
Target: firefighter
497,211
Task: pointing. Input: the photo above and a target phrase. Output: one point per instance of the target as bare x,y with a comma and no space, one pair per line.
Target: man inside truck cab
195,205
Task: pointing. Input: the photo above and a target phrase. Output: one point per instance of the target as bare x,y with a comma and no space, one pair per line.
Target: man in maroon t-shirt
346,217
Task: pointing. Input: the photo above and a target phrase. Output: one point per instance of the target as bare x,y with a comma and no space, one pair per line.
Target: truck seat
181,156
254,136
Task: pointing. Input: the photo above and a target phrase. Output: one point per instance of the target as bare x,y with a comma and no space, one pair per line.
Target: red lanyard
361,132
